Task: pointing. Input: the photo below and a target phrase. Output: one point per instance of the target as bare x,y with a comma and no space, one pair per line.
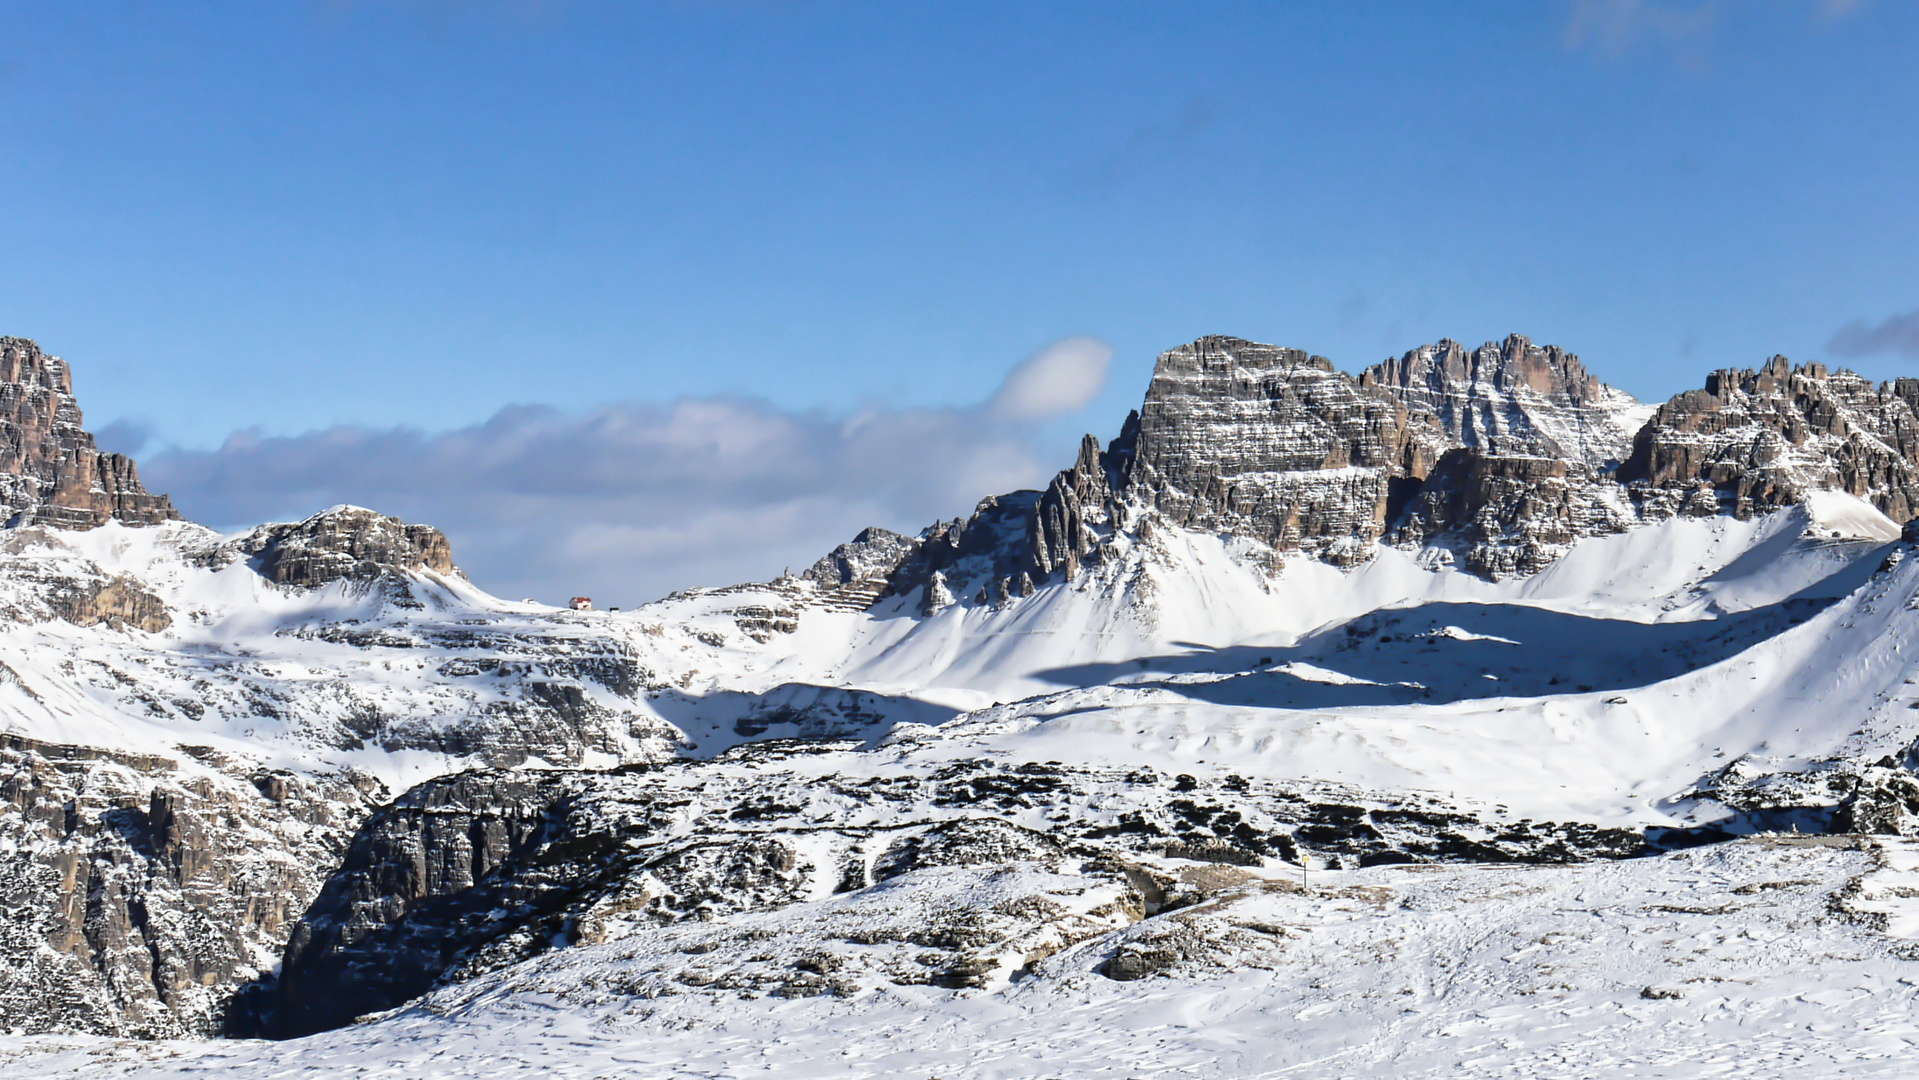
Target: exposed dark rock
1883,800
470,873
51,473
404,901
345,542
1504,514
1274,444
1496,459
1073,514
871,556
1511,398
118,602
140,894
1764,439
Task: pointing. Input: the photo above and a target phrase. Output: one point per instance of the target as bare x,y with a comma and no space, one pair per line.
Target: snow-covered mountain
1464,607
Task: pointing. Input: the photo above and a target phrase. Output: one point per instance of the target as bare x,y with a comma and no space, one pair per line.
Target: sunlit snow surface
1597,689
1728,961
1602,689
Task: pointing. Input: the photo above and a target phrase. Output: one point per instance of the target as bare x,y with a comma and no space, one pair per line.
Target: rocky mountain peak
1510,397
345,542
1494,460
51,473
1760,439
1273,443
1490,457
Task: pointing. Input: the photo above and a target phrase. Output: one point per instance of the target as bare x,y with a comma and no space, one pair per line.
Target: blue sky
330,226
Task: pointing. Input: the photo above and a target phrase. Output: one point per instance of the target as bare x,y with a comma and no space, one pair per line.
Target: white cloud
630,501
1056,380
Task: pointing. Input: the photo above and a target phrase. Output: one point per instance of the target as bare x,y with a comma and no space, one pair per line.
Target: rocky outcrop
1501,515
51,473
871,556
119,602
1759,440
472,873
142,892
344,543
1078,508
407,899
1494,459
1535,439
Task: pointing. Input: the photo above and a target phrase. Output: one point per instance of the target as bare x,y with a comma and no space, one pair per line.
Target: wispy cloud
1616,25
1683,27
630,501
1058,379
1897,336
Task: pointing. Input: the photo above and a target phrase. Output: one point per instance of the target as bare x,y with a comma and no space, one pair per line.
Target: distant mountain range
1466,606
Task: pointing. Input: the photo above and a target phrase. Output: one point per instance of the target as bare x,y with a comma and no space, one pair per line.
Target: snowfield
1744,959
1698,679
1600,688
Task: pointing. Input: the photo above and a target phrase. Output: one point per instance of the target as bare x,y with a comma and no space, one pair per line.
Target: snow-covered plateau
1461,718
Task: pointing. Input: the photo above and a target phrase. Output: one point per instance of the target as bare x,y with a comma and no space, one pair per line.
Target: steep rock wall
50,471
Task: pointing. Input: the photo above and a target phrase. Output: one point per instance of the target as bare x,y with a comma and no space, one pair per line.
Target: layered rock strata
1277,445
1764,439
51,473
1511,398
1495,459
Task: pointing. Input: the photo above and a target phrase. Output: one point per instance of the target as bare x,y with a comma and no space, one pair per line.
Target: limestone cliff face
141,890
1758,440
1275,444
1510,398
345,542
50,471
1494,459
1534,440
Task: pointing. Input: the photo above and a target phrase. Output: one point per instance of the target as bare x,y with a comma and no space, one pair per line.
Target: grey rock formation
1511,398
1275,444
119,602
871,556
345,543
1078,509
1495,459
50,471
141,893
1759,440
471,873
44,579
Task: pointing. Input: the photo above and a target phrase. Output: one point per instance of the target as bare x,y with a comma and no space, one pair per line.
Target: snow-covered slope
1738,960
1288,616
1650,658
